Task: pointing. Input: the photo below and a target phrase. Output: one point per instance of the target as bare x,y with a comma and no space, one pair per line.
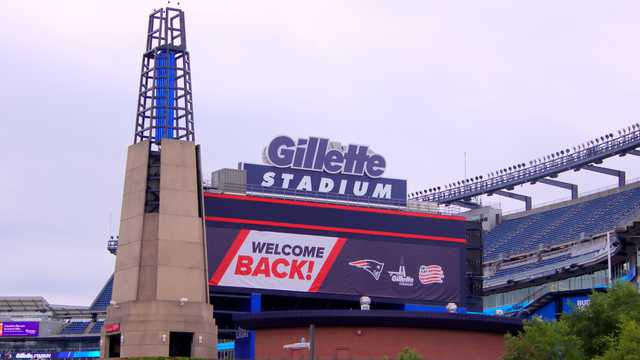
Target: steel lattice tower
160,299
165,107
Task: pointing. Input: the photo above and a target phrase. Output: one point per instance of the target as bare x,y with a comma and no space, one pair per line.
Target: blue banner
319,184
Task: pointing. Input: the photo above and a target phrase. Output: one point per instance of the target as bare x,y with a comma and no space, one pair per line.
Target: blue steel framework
542,170
165,106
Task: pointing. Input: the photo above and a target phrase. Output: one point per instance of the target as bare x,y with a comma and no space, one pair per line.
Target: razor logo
373,267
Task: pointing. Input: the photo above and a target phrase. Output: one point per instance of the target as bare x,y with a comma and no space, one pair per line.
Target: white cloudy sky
422,82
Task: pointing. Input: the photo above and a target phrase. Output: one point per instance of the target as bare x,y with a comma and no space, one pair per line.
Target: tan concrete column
160,283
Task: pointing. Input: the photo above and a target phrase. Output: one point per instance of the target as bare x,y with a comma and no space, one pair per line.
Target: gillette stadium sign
318,167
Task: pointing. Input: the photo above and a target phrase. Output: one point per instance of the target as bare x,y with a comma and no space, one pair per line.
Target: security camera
113,303
365,303
452,307
183,301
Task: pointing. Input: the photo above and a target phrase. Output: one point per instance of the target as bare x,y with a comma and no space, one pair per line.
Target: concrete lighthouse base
160,298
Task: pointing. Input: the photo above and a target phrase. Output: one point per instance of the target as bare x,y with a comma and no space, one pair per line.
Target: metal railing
550,166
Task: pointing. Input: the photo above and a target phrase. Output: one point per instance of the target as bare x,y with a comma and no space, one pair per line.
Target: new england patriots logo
371,266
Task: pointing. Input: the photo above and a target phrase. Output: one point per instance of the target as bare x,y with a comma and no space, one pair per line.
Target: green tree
627,346
542,340
600,322
409,354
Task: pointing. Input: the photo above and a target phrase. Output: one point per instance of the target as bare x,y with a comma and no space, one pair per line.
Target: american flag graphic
431,274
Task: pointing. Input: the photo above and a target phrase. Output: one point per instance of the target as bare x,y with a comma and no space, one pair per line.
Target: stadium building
545,261
313,250
31,328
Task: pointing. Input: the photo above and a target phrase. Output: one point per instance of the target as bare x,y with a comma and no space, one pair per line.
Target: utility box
229,180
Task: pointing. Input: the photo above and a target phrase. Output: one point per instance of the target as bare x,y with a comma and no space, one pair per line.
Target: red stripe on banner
233,251
335,229
333,255
333,206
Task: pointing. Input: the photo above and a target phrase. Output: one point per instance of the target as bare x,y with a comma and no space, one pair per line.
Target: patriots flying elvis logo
373,267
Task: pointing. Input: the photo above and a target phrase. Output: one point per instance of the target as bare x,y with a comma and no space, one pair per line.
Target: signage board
19,328
50,355
281,245
112,327
320,168
420,272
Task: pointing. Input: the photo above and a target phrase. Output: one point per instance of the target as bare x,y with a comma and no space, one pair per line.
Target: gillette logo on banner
317,167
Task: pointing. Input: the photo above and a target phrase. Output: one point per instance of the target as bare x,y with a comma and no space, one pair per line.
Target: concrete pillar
160,282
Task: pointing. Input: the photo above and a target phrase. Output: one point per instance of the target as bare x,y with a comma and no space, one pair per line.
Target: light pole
609,277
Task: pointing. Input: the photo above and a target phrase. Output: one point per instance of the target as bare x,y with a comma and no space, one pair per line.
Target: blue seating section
97,327
561,225
104,297
535,265
77,327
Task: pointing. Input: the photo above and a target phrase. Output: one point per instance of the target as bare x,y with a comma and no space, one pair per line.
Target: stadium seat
97,327
76,327
104,297
564,224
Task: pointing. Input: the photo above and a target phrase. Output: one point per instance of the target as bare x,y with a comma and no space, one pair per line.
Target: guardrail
333,198
549,166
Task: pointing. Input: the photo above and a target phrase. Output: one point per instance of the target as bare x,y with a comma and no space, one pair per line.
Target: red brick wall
377,342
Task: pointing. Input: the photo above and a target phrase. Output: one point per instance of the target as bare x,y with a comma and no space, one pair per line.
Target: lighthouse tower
160,302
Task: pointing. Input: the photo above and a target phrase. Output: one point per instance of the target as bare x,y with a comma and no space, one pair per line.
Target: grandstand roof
24,304
38,304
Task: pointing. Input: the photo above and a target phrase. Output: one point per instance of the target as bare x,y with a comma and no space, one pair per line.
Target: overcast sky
422,82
